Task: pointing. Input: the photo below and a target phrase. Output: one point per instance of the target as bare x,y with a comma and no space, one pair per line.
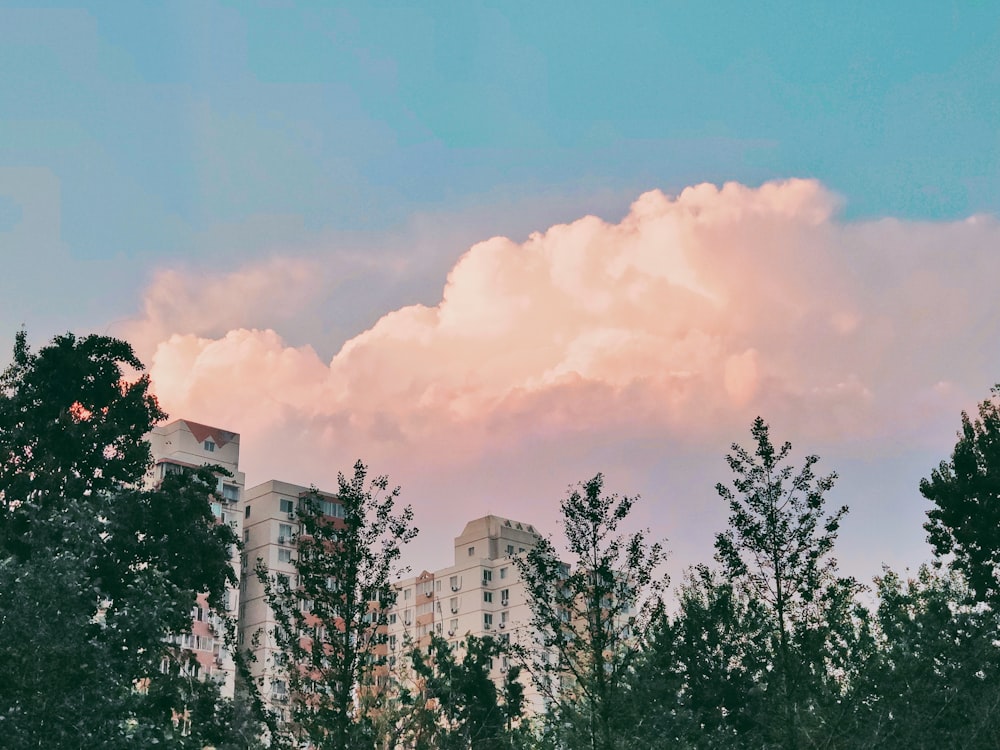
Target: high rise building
269,536
177,446
481,594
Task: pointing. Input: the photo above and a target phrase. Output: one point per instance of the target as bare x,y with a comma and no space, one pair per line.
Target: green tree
934,680
104,571
590,620
468,711
778,549
331,620
965,491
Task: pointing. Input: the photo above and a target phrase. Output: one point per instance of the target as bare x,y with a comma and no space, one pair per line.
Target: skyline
492,252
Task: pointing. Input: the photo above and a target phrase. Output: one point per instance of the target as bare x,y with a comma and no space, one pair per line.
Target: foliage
104,572
965,521
332,619
467,709
778,549
935,678
590,620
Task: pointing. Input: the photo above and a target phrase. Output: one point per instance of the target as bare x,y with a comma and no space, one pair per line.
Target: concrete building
183,444
481,594
269,534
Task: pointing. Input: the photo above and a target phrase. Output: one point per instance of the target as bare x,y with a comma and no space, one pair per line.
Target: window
209,446
456,583
437,585
216,509
454,605
246,537
392,619
453,627
510,549
472,551
487,621
284,555
487,576
488,597
284,532
330,508
407,593
285,505
246,512
230,492
503,573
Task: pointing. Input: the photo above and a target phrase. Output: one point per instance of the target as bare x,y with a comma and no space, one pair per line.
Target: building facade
177,446
481,594
269,539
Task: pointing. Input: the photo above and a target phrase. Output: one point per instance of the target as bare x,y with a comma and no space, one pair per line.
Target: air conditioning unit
504,602
487,627
407,623
503,625
281,540
291,515
234,525
454,588
428,594
451,633
454,610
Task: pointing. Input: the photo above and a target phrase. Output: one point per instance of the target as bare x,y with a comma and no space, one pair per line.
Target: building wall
270,528
481,594
184,444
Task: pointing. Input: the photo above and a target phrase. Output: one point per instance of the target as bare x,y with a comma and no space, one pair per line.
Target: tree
590,620
466,708
778,547
934,679
104,571
702,669
331,620
965,491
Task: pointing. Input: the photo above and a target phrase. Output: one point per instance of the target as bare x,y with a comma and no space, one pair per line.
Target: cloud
675,325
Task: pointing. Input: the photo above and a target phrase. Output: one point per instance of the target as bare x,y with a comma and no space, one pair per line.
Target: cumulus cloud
685,319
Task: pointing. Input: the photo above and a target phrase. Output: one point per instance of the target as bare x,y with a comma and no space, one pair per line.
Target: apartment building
269,532
183,444
481,594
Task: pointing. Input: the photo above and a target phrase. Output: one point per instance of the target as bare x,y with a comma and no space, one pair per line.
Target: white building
481,594
269,535
183,444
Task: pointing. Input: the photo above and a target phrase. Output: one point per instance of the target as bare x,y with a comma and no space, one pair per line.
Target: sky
493,249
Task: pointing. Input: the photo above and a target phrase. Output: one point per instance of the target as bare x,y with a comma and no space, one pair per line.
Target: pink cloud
681,322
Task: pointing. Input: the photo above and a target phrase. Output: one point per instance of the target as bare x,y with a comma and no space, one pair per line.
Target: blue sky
382,140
